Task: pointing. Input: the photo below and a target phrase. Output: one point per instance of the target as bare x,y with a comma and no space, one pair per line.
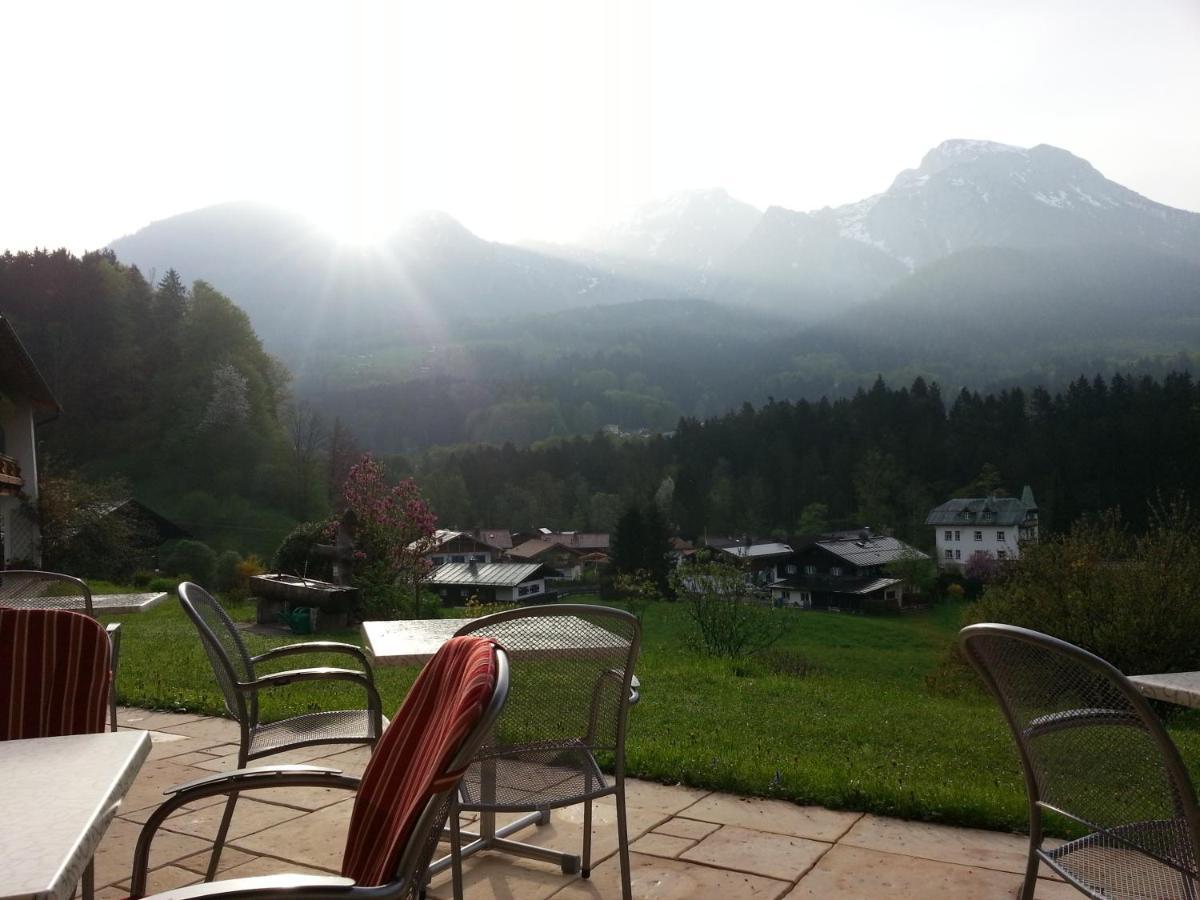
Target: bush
786,662
141,578
194,560
1130,599
225,570
167,585
296,556
726,618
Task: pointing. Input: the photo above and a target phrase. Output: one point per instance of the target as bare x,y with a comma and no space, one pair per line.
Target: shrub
295,556
1130,599
167,585
141,578
225,570
727,619
194,560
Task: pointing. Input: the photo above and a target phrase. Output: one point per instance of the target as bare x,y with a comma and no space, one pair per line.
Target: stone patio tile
189,759
265,865
655,878
758,852
249,816
655,844
209,727
304,798
852,873
230,857
812,822
153,720
185,745
687,828
494,876
156,776
316,839
114,859
962,846
351,762
668,798
166,879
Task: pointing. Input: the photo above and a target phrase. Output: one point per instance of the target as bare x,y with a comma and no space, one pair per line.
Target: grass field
860,730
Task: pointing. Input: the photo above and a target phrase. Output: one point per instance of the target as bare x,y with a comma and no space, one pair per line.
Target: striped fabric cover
409,764
54,673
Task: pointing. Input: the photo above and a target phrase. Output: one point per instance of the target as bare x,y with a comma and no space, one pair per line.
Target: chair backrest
32,589
572,667
226,650
415,767
55,673
1090,745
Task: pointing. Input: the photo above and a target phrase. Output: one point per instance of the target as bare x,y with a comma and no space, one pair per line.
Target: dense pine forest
883,458
168,388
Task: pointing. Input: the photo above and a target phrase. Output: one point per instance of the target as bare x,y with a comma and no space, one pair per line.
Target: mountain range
991,255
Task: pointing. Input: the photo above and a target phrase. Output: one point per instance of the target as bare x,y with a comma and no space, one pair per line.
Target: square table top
58,797
1182,688
415,641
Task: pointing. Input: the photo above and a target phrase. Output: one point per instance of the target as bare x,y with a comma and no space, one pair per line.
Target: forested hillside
163,386
883,458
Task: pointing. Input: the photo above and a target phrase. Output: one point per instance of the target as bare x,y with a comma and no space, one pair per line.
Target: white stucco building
997,526
25,402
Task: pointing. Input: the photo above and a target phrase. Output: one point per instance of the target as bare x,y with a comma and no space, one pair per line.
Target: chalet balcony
10,475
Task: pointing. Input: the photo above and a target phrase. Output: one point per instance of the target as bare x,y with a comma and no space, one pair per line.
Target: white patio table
59,795
1182,688
414,642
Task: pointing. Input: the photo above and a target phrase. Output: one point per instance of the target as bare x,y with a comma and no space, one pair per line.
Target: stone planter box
278,594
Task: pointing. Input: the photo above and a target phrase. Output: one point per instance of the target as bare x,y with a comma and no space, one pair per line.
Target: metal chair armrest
302,887
244,777
228,783
319,673
316,647
1081,718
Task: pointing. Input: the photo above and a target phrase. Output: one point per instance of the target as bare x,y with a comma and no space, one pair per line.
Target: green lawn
860,731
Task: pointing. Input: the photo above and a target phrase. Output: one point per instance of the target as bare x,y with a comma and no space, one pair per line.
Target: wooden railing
10,472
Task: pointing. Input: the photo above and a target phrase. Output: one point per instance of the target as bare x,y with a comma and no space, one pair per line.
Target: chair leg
89,880
219,842
1031,867
623,842
585,860
456,876
112,706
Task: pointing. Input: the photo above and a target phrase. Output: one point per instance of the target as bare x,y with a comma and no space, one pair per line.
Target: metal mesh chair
569,700
234,668
31,589
403,796
1092,750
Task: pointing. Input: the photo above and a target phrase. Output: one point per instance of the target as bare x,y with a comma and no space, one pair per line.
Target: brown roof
500,538
579,540
535,547
19,377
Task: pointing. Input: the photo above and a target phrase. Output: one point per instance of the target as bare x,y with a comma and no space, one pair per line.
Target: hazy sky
538,119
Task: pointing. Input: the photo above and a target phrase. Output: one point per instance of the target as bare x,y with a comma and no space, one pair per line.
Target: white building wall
22,542
958,543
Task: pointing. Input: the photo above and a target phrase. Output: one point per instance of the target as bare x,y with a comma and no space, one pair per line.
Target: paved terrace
687,844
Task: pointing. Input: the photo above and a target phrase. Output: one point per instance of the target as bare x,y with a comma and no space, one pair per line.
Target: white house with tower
996,526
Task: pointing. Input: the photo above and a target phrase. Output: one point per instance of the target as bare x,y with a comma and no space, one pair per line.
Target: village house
569,554
498,582
766,561
995,526
844,571
25,403
460,547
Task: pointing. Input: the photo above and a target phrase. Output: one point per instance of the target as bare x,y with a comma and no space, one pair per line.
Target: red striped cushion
409,764
54,673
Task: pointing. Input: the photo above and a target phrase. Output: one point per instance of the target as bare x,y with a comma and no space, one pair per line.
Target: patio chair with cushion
55,675
240,684
403,796
31,589
571,692
1093,751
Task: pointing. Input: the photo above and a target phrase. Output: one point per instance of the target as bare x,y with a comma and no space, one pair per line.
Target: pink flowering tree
394,533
